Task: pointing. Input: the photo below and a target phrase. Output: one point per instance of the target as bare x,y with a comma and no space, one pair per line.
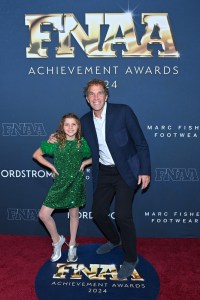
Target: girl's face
70,128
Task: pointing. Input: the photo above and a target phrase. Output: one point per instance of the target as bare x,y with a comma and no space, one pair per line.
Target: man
120,162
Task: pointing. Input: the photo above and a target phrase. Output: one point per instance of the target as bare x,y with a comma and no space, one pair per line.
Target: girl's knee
40,215
43,216
74,213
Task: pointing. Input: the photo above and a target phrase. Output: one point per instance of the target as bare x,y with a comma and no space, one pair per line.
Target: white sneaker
57,249
72,256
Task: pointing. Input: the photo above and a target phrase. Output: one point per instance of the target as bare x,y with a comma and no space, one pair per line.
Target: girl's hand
85,163
82,167
54,172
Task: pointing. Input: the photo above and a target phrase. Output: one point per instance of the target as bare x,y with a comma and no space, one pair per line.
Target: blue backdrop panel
162,90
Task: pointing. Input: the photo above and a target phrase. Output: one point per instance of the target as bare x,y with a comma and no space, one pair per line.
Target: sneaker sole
53,260
72,260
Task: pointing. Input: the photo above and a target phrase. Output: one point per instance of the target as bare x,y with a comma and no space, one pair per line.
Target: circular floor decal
94,277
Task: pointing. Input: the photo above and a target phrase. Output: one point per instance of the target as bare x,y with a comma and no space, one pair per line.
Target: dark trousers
111,184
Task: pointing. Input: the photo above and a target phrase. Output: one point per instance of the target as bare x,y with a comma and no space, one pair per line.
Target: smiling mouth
97,103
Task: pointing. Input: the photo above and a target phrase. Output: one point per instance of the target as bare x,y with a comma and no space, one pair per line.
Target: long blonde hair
60,134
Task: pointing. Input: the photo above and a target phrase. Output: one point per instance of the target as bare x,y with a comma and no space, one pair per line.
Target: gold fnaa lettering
121,30
91,274
161,23
88,43
108,270
94,272
37,35
63,269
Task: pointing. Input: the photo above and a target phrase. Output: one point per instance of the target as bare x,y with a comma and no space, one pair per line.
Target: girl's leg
45,216
74,222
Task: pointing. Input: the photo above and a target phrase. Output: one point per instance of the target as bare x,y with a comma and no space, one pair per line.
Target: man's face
97,98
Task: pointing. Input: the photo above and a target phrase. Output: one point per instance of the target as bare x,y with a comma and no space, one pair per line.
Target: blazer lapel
109,121
92,129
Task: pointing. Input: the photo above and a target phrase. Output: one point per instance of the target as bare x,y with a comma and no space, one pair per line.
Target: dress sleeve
48,148
85,149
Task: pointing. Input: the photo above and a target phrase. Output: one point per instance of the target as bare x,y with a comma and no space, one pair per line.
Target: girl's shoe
57,249
72,256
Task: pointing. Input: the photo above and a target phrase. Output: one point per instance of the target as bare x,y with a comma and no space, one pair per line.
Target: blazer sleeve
139,140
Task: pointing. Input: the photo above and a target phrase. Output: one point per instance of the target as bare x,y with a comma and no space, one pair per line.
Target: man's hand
144,180
52,139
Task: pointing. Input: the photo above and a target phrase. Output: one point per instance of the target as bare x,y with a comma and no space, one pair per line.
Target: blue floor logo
94,277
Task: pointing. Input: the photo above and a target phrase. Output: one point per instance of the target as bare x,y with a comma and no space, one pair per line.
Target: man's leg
123,212
103,197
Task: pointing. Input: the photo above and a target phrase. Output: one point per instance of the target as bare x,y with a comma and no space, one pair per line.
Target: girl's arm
38,155
85,163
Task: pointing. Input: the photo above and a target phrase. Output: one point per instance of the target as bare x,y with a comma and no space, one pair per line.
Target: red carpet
176,261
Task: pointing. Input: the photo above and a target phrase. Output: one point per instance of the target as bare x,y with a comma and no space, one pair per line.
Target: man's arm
52,139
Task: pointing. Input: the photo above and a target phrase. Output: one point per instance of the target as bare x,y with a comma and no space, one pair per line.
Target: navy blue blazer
125,141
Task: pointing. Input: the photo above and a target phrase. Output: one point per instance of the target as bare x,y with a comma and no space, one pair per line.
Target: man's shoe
57,249
106,248
127,269
72,256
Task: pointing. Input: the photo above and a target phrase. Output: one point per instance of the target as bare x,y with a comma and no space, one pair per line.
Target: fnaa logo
94,277
23,129
92,272
67,25
19,214
176,174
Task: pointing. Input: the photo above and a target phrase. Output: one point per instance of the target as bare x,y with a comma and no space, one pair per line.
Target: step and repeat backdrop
148,54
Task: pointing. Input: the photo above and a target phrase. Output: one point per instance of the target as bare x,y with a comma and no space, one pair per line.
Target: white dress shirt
105,157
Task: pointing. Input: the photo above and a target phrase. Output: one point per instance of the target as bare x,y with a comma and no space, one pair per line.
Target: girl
67,190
